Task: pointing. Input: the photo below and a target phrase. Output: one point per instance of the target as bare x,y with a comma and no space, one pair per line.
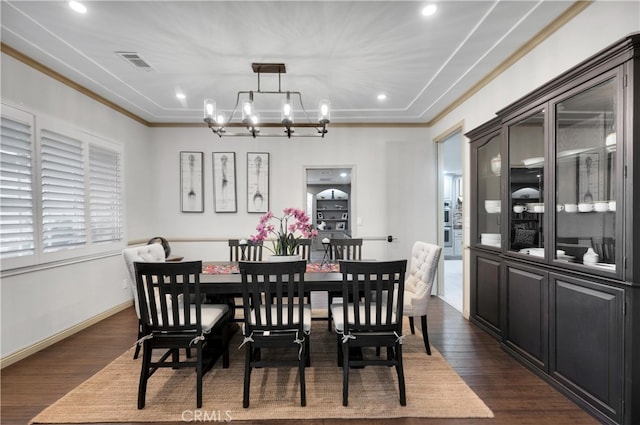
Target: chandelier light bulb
247,109
287,111
221,118
209,109
324,111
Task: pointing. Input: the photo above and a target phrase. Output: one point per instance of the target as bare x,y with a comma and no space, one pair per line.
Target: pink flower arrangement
287,235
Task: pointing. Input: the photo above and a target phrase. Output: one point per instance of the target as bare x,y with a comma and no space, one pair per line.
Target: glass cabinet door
489,167
526,206
585,174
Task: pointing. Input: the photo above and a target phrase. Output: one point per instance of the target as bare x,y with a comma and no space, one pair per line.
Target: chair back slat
345,249
170,291
273,295
376,291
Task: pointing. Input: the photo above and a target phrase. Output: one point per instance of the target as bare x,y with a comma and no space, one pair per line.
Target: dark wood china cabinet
553,230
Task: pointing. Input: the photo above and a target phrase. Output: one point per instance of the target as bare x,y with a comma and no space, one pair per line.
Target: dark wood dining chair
249,251
303,248
345,249
342,249
175,318
275,317
370,316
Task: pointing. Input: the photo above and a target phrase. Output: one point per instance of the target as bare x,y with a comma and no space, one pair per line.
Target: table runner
233,268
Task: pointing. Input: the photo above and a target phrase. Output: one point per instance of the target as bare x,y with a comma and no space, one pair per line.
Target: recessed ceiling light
181,96
78,7
429,9
382,96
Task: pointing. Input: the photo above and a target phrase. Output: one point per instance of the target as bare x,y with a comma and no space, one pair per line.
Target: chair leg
345,374
400,371
144,374
329,319
339,345
301,368
225,346
425,334
140,335
307,350
199,375
411,326
247,374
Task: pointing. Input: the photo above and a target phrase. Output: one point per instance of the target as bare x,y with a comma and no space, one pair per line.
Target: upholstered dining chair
147,253
362,320
170,324
417,288
275,316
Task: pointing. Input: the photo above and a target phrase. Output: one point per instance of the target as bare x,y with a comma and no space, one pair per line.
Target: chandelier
250,120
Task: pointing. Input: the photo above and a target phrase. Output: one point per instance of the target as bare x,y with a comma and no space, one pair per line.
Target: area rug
434,390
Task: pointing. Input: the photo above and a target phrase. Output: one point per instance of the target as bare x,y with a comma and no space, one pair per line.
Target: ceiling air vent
135,60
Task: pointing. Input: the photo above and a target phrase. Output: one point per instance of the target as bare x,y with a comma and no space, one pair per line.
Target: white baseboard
32,349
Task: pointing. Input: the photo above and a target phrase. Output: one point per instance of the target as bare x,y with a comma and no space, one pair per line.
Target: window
105,195
63,192
78,209
17,234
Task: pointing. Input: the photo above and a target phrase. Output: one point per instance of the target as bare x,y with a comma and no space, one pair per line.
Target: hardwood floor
515,395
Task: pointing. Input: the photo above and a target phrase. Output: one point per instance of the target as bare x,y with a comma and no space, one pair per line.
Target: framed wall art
191,182
257,182
224,182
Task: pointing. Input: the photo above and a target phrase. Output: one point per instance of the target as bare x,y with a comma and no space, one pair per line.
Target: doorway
329,204
451,202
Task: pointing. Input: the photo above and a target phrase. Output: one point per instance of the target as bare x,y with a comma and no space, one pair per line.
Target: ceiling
344,51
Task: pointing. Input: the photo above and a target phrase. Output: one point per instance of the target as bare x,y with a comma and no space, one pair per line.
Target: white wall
598,26
362,148
37,304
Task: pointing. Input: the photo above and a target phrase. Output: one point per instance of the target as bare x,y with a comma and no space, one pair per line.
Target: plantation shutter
105,195
17,237
63,192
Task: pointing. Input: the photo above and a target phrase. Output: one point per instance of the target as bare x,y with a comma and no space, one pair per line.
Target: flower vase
283,258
